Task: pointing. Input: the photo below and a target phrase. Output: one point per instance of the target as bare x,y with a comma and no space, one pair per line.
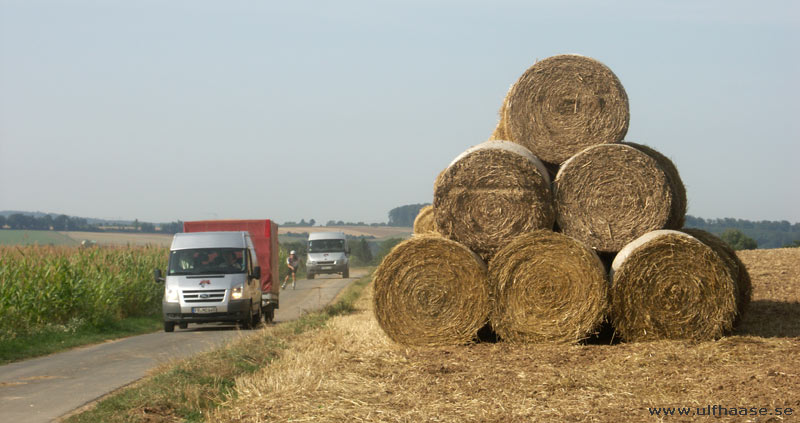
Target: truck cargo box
264,234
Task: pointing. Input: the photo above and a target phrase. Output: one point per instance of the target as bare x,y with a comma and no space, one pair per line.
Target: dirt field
111,238
376,231
352,372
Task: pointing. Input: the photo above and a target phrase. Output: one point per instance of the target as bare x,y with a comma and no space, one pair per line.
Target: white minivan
328,252
211,277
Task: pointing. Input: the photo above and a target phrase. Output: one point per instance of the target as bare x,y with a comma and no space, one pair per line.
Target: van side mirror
256,272
157,275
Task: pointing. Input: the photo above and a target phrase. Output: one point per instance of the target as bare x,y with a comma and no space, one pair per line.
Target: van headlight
171,294
236,292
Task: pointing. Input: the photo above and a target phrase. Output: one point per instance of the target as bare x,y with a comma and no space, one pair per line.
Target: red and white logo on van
203,283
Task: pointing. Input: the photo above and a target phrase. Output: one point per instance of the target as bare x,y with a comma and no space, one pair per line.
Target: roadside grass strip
188,390
56,338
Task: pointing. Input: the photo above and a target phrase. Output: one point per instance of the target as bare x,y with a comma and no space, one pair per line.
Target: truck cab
328,252
212,277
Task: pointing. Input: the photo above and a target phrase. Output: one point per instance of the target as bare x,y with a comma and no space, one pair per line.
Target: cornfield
43,286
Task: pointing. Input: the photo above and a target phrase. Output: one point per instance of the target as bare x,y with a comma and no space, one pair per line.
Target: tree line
312,222
402,216
68,223
765,233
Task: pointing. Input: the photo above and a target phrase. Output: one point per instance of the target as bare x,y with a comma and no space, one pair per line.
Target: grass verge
187,390
55,338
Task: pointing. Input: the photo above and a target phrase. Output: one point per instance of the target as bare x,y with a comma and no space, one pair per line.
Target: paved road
45,388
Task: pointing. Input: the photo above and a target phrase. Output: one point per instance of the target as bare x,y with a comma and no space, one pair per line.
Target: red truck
264,235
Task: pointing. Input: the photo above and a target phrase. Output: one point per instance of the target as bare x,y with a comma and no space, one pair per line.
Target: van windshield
325,245
203,261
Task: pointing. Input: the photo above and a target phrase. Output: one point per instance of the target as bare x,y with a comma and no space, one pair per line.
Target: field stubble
351,371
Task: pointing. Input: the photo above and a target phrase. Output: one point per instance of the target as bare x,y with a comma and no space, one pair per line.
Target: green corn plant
43,286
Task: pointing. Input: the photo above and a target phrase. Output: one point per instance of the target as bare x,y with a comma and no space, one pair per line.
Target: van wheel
346,273
310,276
256,318
169,326
183,325
250,321
269,314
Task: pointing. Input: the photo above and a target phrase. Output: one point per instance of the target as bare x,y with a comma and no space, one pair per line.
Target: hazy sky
196,109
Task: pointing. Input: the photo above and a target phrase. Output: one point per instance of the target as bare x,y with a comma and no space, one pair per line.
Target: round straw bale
678,212
424,222
610,194
491,193
500,133
564,104
668,285
431,291
547,287
744,286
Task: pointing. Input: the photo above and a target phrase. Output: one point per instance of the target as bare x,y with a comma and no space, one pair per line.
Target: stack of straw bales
424,223
552,195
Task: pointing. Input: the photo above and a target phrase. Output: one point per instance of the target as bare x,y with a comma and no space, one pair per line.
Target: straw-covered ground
350,371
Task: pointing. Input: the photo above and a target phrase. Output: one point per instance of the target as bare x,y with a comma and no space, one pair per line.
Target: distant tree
738,240
148,227
385,247
312,222
303,222
60,223
172,227
361,252
404,215
767,234
80,224
19,221
2,221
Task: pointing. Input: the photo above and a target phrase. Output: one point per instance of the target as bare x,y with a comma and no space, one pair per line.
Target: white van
328,252
211,277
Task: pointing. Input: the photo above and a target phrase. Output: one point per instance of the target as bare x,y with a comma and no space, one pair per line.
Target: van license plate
204,309
327,267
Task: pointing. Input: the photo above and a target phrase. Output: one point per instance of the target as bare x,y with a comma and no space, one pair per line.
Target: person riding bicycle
291,262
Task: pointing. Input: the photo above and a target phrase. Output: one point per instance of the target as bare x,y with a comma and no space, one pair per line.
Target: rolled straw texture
424,222
678,211
491,193
547,287
564,104
744,286
669,285
610,194
431,291
500,133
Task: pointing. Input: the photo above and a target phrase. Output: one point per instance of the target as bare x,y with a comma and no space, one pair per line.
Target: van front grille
204,296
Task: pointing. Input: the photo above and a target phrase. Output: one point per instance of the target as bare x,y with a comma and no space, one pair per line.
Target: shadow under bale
771,319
